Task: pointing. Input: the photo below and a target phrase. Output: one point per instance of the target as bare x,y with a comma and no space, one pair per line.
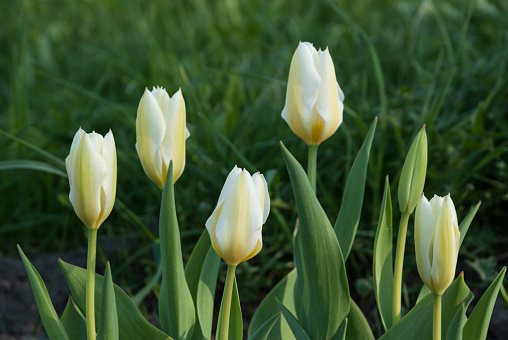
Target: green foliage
108,318
74,321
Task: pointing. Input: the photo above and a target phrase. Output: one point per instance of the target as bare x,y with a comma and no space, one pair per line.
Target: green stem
311,166
437,317
90,284
226,302
399,262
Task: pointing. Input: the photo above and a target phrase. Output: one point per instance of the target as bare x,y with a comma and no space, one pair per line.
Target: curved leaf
265,329
50,320
74,321
107,328
358,327
295,326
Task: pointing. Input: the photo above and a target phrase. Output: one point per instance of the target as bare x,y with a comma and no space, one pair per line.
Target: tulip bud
437,239
412,177
161,134
242,209
314,99
91,167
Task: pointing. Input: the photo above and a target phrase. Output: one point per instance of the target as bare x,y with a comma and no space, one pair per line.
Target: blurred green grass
66,64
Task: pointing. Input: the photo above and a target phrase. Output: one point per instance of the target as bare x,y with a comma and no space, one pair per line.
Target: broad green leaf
176,307
50,320
201,274
108,318
466,222
357,326
457,324
348,219
478,323
265,329
235,317
321,287
417,324
74,321
295,326
131,324
382,260
206,292
284,292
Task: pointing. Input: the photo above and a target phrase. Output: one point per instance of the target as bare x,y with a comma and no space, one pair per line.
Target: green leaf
412,176
417,324
321,286
201,274
235,317
342,331
358,327
176,307
52,324
466,222
108,318
206,292
74,321
296,328
265,329
478,323
32,165
284,292
348,219
131,324
382,260
457,324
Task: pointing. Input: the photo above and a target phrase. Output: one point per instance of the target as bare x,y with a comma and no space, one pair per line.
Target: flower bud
314,99
91,167
161,133
437,239
235,224
412,177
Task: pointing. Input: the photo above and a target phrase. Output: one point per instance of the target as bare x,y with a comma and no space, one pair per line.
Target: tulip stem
399,262
90,284
437,317
311,166
226,302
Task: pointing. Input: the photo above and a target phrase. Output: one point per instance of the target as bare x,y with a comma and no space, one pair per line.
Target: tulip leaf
478,323
357,325
235,317
382,260
74,321
31,165
348,219
176,307
265,329
415,324
342,331
52,324
201,274
284,292
457,325
108,318
131,324
466,222
322,290
296,328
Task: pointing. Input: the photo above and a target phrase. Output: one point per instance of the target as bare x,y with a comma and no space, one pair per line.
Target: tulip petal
239,225
109,182
445,255
262,191
328,106
150,131
229,184
424,234
86,169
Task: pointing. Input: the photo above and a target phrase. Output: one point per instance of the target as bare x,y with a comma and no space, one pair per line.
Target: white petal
262,191
424,233
109,182
229,184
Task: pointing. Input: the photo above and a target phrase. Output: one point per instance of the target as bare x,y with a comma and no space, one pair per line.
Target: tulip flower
242,209
161,133
437,240
91,167
314,99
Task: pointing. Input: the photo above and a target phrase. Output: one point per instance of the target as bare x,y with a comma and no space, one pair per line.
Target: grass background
66,64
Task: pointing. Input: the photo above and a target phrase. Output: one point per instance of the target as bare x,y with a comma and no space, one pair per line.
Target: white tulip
235,224
91,167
